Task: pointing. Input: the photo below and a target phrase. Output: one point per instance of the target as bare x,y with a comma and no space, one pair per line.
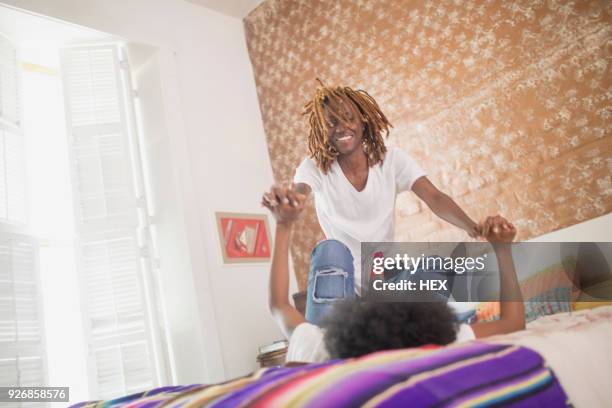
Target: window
22,355
77,306
22,359
12,161
102,252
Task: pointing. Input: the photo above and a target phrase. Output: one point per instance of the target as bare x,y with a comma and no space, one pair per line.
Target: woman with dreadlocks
355,178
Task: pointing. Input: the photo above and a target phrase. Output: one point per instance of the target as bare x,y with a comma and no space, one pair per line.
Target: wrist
472,230
284,225
502,246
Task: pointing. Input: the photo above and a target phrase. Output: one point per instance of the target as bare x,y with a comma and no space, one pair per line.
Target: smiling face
345,127
344,121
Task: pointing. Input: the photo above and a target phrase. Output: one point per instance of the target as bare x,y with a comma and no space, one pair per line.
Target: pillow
546,292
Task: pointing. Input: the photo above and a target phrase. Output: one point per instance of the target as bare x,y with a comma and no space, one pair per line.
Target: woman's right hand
498,230
285,203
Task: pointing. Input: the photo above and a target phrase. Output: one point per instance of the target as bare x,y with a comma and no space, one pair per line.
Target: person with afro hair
357,327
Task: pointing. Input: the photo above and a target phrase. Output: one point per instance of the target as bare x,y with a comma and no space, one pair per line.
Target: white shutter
12,147
109,259
101,164
21,323
22,355
118,334
10,108
12,177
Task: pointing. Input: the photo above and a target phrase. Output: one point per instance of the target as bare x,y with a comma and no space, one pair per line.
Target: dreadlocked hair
327,104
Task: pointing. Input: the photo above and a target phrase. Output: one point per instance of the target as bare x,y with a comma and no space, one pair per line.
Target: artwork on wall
244,237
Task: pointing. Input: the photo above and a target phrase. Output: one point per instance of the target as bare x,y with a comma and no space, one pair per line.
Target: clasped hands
285,203
495,229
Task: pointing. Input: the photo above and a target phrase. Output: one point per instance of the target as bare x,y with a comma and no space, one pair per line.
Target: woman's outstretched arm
444,206
289,204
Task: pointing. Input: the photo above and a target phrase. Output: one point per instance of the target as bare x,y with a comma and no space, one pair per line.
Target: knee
329,285
331,253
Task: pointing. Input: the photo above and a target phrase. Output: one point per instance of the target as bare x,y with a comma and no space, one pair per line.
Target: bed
560,360
578,348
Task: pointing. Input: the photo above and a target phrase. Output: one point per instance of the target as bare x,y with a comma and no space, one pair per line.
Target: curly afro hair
358,327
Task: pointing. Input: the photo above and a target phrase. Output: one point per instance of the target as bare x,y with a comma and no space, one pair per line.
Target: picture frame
244,237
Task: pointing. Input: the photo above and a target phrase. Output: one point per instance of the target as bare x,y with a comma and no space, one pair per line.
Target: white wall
596,230
214,146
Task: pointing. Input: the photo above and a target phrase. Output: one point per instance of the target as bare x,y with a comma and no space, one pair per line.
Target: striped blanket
465,375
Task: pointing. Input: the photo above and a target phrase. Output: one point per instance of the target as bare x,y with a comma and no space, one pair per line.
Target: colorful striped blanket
464,375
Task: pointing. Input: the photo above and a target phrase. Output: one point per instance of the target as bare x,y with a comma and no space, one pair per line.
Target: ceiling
233,8
23,28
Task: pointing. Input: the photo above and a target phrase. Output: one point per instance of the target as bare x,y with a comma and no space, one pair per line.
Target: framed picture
244,237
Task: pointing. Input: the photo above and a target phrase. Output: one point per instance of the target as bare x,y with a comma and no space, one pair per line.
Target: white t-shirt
306,343
352,216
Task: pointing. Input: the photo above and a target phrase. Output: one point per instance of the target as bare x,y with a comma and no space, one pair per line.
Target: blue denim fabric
331,278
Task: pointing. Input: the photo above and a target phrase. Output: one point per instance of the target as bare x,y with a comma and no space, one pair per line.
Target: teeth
345,137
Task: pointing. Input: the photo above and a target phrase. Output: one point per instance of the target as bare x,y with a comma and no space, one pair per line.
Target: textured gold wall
505,104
